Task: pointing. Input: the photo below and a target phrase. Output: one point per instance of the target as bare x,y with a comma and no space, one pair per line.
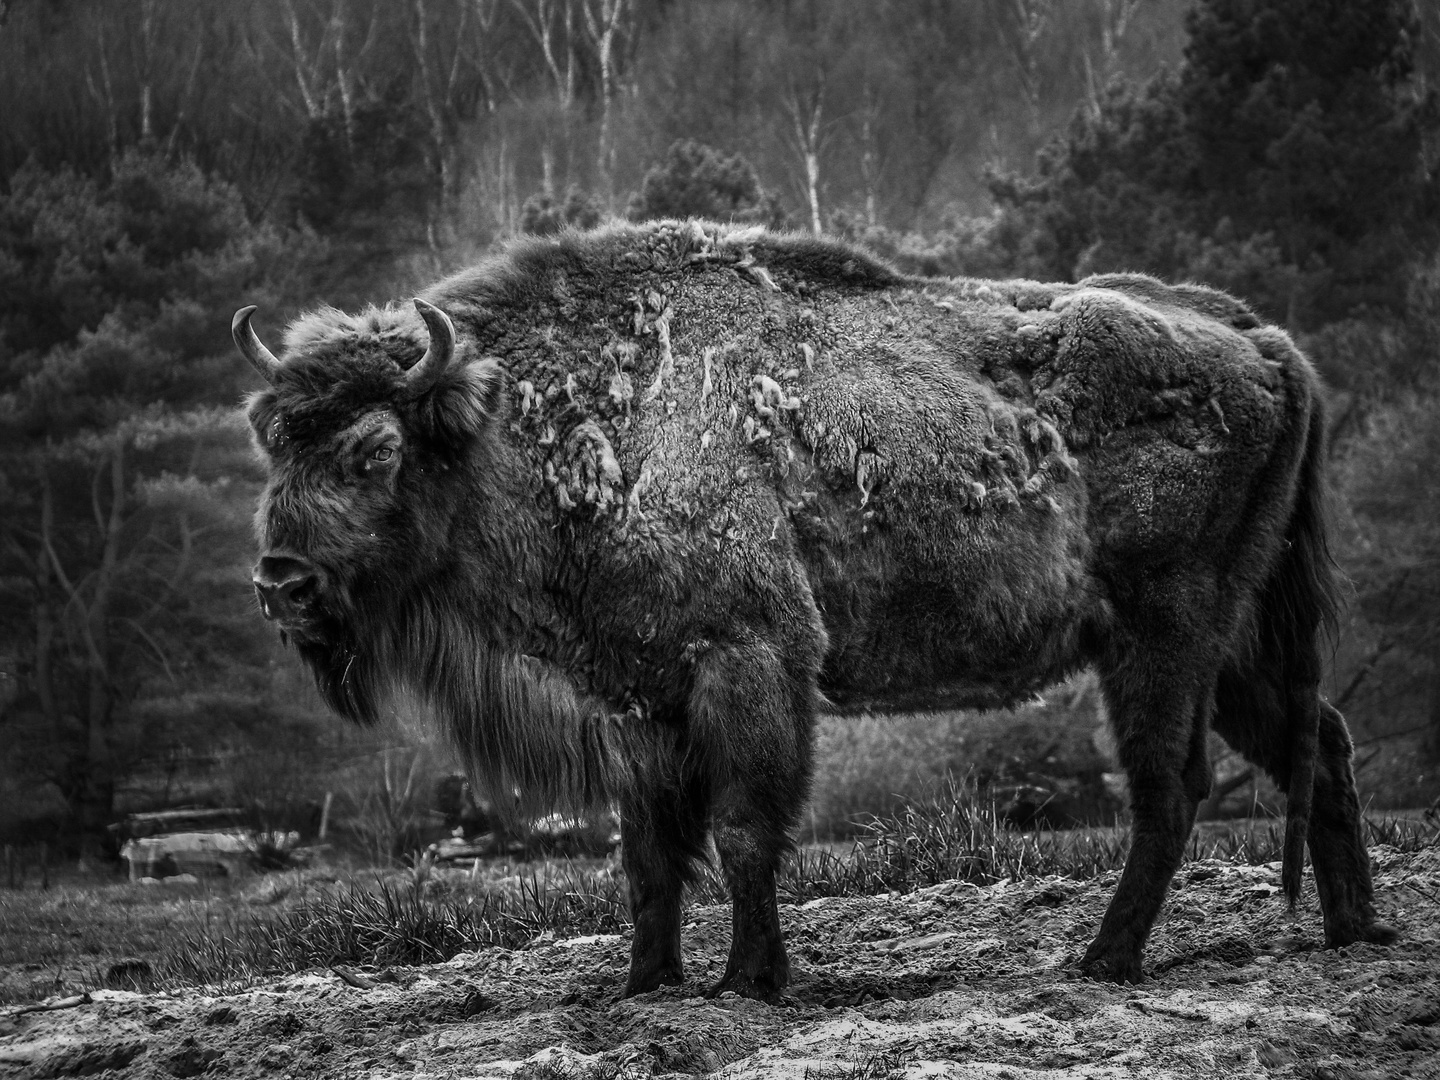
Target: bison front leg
755,723
750,852
1160,726
662,836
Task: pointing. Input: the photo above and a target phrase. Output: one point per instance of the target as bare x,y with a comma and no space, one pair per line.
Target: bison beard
618,508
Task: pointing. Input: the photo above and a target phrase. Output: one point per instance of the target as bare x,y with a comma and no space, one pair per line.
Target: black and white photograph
776,539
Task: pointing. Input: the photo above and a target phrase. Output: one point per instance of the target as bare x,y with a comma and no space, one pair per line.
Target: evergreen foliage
544,215
366,177
695,180
1284,161
125,471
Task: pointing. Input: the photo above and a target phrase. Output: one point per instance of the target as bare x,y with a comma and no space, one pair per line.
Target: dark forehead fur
336,365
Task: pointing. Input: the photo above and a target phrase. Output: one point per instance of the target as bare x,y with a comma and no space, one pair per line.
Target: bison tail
1298,613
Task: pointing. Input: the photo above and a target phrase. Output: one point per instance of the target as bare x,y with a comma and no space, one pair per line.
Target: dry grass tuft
74,938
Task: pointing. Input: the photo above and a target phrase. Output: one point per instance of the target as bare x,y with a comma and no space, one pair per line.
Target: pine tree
1306,122
124,471
1285,160
695,180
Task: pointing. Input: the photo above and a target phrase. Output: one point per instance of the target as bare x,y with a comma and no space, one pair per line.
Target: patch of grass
956,834
396,922
876,1065
84,936
1404,834
80,935
291,922
872,766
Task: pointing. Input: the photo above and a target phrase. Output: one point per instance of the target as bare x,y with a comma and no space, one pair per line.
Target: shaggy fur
681,481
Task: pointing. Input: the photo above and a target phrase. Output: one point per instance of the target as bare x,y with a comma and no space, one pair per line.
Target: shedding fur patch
585,474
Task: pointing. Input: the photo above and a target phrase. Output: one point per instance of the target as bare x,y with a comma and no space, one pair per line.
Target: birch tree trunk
869,155
107,100
306,69
438,83
343,77
602,33
806,110
539,18
1114,21
186,95
147,72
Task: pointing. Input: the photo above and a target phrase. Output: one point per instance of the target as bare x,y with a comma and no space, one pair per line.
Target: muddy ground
953,981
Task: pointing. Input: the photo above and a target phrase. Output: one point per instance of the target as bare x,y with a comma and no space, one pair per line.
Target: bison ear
465,402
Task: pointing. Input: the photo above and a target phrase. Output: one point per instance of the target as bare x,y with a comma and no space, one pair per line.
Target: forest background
162,163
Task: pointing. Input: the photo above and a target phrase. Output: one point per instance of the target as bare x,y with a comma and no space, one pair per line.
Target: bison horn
261,358
422,376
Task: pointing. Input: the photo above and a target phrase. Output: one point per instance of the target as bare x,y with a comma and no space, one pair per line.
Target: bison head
368,430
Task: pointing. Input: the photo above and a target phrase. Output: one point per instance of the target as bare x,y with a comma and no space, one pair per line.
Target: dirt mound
953,981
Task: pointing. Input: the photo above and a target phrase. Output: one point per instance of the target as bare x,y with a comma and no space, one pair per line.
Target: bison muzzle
622,510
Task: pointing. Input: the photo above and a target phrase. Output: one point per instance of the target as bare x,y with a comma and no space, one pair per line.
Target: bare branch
456,57
185,97
95,498
18,550
1363,672
44,617
75,599
1391,735
538,23
146,637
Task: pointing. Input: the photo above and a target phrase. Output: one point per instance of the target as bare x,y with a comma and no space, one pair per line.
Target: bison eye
382,453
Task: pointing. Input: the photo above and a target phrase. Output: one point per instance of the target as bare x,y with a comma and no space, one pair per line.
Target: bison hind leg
1337,843
1257,715
1160,698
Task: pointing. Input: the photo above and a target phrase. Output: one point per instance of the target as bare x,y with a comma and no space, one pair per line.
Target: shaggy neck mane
521,728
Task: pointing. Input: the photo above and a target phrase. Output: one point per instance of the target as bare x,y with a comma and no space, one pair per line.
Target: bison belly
956,608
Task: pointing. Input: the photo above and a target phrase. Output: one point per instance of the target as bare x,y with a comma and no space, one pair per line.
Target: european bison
621,510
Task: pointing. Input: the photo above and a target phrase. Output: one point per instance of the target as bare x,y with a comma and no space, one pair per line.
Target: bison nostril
284,584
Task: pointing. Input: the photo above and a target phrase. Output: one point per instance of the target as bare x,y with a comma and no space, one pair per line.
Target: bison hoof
1376,933
1112,965
759,988
1379,933
642,982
